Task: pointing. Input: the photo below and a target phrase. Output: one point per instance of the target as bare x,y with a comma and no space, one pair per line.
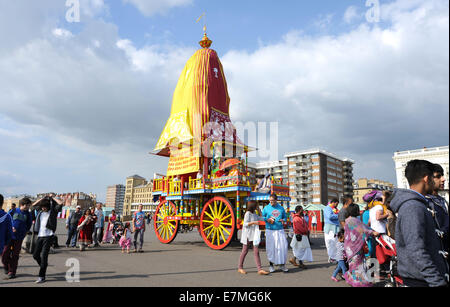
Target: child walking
251,233
125,240
339,256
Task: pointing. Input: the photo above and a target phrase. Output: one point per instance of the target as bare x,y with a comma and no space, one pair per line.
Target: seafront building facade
138,191
439,155
363,186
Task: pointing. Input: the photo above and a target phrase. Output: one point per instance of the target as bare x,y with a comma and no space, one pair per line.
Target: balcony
307,188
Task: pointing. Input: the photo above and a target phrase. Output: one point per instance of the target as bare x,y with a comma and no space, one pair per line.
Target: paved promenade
186,262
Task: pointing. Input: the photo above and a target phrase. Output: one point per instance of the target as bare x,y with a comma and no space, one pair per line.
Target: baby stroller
386,254
117,231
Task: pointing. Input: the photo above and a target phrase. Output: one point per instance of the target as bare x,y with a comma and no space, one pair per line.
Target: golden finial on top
205,42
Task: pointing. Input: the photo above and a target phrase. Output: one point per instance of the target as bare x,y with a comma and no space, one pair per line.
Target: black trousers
41,253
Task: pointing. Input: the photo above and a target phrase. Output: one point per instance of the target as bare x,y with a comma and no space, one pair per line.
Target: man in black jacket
71,225
45,227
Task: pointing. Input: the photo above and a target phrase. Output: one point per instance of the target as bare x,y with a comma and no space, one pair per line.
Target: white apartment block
439,155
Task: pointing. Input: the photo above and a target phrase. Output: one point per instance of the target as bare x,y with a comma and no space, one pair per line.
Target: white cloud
62,33
149,8
368,91
91,107
351,13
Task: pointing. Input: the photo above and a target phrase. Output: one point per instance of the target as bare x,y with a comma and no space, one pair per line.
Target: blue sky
82,104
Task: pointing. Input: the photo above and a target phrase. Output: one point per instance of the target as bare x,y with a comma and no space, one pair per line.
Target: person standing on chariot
276,242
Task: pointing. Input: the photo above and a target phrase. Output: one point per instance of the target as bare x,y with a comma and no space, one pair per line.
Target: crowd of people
32,226
277,246
415,220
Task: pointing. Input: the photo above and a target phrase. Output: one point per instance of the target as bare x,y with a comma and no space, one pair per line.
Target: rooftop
421,151
317,150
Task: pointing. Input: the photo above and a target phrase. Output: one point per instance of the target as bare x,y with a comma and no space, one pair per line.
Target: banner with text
184,161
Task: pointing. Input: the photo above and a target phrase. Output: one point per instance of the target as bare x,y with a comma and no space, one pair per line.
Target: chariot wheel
166,229
217,223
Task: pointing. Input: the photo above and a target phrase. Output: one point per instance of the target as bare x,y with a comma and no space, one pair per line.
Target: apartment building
314,176
317,176
439,155
115,196
138,191
363,186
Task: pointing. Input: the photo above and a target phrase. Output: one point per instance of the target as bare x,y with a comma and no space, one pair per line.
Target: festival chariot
207,185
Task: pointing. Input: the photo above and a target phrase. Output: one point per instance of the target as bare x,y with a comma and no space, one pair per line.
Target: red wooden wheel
166,229
217,223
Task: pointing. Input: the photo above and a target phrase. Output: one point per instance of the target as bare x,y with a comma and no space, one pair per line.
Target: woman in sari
86,228
108,237
356,233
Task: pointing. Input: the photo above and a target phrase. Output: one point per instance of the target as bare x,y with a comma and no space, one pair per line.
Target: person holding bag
300,243
251,233
86,229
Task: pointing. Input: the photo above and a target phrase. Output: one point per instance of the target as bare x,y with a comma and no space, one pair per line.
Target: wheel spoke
170,229
221,234
223,228
215,209
163,232
210,233
208,228
223,212
224,218
209,215
218,237
214,236
159,221
219,212
228,224
157,229
206,221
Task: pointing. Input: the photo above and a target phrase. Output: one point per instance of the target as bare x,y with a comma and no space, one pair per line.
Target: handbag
298,237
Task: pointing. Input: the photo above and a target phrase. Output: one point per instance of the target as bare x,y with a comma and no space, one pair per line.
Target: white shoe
284,268
40,280
271,269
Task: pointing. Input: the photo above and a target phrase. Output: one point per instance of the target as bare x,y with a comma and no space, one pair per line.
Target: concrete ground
186,262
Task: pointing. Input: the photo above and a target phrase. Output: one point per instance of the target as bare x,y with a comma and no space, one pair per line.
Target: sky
84,100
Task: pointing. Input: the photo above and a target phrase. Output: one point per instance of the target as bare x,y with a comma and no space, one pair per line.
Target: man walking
138,228
21,223
331,228
45,227
98,227
71,225
276,242
5,226
420,257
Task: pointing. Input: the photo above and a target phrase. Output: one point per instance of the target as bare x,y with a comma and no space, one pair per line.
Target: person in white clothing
314,224
377,218
251,234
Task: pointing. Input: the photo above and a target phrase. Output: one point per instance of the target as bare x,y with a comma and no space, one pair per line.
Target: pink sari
356,233
107,237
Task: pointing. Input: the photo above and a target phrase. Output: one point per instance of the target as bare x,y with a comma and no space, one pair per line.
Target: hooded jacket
416,240
5,229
